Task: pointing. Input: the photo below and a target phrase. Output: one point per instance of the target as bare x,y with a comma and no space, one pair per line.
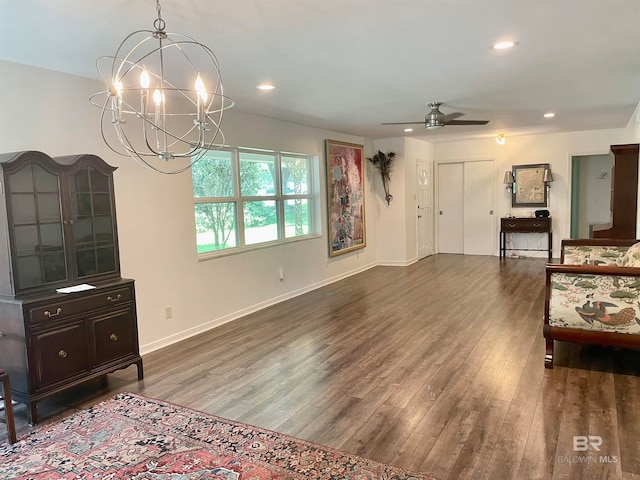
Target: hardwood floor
437,367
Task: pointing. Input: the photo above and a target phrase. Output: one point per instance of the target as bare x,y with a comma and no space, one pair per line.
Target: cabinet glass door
34,195
93,223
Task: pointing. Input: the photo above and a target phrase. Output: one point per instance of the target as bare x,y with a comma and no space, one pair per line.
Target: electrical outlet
168,312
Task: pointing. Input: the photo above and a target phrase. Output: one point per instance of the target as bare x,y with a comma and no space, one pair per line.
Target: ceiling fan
436,119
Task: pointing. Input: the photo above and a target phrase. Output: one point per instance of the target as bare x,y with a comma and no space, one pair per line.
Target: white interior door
425,208
479,220
451,208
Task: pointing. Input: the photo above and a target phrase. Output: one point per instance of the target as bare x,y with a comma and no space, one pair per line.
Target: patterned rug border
255,444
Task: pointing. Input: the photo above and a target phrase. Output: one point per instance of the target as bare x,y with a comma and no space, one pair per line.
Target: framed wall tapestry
529,188
345,197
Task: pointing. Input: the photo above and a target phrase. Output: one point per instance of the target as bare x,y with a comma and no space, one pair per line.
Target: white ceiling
349,65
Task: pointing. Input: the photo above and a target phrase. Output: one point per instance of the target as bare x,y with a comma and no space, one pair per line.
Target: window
244,198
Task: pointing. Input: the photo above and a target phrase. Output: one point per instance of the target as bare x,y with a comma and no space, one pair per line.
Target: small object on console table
58,228
525,225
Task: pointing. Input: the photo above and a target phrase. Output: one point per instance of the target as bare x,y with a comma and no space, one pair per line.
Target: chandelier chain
159,24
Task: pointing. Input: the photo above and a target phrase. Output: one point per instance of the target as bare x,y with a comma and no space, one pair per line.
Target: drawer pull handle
512,225
113,337
537,225
48,314
62,354
111,299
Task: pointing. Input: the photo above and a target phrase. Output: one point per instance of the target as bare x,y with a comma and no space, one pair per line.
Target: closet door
466,220
451,208
479,220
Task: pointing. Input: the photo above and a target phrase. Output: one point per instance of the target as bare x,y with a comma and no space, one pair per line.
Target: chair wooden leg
8,408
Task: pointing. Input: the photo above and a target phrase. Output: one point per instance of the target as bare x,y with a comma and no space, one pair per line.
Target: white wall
390,219
49,111
396,224
632,132
555,149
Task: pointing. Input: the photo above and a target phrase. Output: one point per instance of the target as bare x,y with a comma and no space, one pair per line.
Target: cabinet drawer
114,336
60,353
525,224
65,308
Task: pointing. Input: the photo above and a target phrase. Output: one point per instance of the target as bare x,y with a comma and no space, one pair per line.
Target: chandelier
164,97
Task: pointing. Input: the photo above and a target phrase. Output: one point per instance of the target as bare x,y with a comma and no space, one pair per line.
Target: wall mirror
529,189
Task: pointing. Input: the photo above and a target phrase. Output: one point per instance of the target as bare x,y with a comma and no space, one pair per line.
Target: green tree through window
246,197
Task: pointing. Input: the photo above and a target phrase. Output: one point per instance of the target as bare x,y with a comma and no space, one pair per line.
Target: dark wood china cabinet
58,230
624,194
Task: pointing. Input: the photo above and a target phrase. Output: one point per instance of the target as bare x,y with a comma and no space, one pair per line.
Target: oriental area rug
134,437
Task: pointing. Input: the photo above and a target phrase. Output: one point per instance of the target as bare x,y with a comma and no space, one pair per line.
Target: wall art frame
529,189
345,197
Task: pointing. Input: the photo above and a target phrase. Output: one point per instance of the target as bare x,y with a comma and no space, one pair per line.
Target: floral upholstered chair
595,251
594,295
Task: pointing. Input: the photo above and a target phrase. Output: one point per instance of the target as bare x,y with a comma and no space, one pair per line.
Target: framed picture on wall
345,197
529,189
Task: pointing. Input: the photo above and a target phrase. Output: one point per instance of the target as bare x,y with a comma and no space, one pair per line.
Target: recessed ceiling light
549,115
503,45
500,140
266,86
408,129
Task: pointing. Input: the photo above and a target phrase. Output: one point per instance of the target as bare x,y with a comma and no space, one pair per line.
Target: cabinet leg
140,370
32,413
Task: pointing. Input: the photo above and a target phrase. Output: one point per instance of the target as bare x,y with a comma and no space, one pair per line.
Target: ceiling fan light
434,126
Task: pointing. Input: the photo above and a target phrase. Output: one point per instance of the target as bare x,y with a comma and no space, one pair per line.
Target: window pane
99,182
215,226
295,175
26,240
23,208
106,260
49,207
86,262
22,180
257,174
296,217
260,222
212,176
45,181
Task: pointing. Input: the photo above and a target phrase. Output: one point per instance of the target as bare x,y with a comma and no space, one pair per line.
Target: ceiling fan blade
450,116
467,122
405,123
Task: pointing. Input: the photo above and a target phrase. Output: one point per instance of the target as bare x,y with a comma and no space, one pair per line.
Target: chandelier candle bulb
201,100
157,100
145,81
117,111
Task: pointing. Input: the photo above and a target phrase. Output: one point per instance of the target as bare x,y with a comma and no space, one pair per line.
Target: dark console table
524,225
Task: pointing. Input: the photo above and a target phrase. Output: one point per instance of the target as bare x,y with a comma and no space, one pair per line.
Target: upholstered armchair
593,296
